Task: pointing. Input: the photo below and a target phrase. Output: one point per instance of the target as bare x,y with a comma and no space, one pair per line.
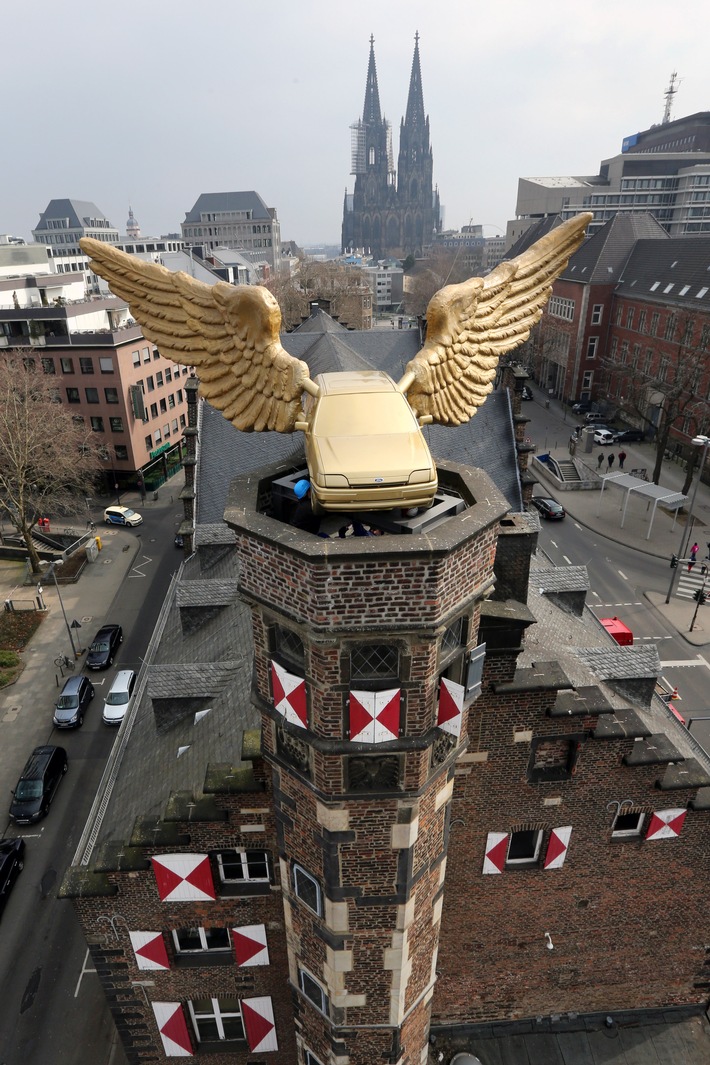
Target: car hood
25,807
65,713
97,658
364,459
114,713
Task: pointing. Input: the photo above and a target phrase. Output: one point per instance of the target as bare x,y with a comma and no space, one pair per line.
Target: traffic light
674,561
699,595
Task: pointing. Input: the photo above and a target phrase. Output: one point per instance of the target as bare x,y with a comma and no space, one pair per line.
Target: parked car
179,540
69,709
122,516
549,508
526,393
119,697
38,783
582,407
104,646
629,436
604,436
11,865
593,416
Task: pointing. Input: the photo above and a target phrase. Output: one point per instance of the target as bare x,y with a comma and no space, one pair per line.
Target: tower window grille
374,662
289,647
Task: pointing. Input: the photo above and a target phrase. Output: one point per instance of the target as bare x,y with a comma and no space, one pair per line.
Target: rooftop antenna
669,94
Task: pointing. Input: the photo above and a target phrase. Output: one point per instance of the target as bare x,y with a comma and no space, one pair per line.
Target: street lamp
704,442
52,570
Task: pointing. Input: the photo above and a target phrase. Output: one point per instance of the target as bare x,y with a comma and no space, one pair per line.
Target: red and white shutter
557,847
375,716
496,852
170,1018
666,824
183,877
250,945
289,695
258,1017
450,706
149,949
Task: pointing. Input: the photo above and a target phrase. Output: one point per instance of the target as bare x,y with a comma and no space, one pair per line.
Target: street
53,1009
620,575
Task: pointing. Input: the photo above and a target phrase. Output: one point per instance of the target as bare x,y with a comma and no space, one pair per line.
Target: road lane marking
622,575
567,560
83,972
699,661
554,545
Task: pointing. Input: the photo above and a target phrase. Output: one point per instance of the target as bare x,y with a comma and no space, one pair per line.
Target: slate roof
206,669
635,1038
228,201
602,256
77,211
675,271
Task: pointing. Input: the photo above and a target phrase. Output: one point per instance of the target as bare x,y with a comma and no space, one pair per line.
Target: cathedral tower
391,214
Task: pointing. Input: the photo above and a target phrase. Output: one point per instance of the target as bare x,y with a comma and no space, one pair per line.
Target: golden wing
469,326
229,333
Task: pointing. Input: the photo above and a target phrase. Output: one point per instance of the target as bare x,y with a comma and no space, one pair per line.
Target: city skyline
152,105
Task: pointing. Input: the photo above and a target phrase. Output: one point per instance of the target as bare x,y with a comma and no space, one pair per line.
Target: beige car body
364,446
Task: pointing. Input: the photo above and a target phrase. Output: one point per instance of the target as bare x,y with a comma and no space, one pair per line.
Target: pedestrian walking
622,459
610,460
693,555
600,459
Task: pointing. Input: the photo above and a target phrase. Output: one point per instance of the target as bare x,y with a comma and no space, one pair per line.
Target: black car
38,784
11,865
582,407
549,508
69,709
104,647
630,436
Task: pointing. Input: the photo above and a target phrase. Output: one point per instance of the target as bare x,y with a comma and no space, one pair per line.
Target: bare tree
47,457
668,388
444,266
343,286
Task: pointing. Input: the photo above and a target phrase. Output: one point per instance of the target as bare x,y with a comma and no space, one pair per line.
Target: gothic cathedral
391,213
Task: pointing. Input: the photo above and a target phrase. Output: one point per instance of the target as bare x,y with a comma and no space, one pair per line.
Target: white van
119,697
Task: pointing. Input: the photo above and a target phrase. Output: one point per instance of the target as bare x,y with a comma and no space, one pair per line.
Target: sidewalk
602,513
25,718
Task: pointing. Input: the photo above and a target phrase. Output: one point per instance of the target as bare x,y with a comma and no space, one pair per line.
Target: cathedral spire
371,113
415,117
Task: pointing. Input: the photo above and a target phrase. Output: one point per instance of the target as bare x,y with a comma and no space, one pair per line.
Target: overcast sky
152,102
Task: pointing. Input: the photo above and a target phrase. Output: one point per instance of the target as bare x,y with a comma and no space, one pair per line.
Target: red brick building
628,328
375,790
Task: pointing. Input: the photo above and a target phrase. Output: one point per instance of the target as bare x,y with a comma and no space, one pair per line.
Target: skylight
668,287
654,286
684,290
699,295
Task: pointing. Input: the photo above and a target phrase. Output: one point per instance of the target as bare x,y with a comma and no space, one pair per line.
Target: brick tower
366,661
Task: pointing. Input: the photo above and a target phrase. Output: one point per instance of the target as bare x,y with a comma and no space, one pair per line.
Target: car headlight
420,477
336,480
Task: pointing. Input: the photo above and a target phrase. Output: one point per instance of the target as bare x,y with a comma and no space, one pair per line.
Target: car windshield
99,645
67,702
128,513
364,413
28,789
117,698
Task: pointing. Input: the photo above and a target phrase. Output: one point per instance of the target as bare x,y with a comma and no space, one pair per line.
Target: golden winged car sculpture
363,439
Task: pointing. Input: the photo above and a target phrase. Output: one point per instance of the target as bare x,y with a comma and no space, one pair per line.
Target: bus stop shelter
628,484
